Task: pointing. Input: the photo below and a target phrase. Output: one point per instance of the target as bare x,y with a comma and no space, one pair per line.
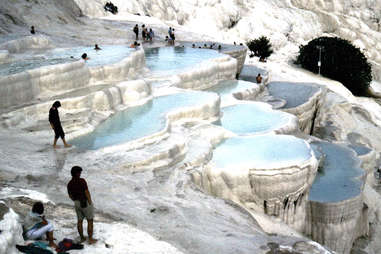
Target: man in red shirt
79,193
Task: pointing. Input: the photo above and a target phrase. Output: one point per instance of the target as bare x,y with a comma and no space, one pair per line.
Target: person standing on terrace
55,123
80,194
136,31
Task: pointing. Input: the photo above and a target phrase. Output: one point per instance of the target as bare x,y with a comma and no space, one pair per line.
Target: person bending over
35,225
55,123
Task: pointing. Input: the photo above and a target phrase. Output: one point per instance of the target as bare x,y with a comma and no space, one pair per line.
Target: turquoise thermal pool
251,118
140,121
264,152
108,55
340,178
29,64
226,88
166,60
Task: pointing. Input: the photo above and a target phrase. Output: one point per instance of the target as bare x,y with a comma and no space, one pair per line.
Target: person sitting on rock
35,225
259,78
32,31
96,47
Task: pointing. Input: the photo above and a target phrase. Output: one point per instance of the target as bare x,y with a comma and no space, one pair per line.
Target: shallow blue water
174,59
265,151
244,119
140,121
108,55
226,88
29,64
336,181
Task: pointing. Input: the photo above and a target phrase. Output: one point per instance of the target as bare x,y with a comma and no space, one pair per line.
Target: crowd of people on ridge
109,6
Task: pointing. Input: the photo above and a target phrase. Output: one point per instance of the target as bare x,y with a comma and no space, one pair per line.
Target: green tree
340,60
260,47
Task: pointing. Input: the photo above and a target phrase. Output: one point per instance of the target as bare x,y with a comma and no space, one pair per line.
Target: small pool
22,62
295,94
226,88
250,72
252,118
264,152
340,177
166,60
140,121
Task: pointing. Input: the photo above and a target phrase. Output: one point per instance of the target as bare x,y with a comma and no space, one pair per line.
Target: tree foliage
340,60
260,47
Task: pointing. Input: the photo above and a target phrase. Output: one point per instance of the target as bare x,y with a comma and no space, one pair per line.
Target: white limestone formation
11,230
277,187
208,74
42,82
336,213
28,42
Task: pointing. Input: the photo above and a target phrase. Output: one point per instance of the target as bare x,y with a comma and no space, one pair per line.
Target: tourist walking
80,194
55,123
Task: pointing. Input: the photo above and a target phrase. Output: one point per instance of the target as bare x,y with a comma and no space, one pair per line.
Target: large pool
32,60
166,60
264,152
253,118
340,176
140,121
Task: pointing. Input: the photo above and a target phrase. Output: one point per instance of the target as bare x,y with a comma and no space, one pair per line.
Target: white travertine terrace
305,111
28,42
208,74
277,186
31,84
336,213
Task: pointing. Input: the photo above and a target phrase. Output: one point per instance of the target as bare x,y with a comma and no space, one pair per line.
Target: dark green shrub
340,60
260,47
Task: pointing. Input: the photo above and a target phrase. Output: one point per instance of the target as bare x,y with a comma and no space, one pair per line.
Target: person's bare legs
65,144
50,237
55,142
90,229
80,230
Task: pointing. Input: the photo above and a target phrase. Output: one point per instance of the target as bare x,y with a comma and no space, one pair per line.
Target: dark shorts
58,132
